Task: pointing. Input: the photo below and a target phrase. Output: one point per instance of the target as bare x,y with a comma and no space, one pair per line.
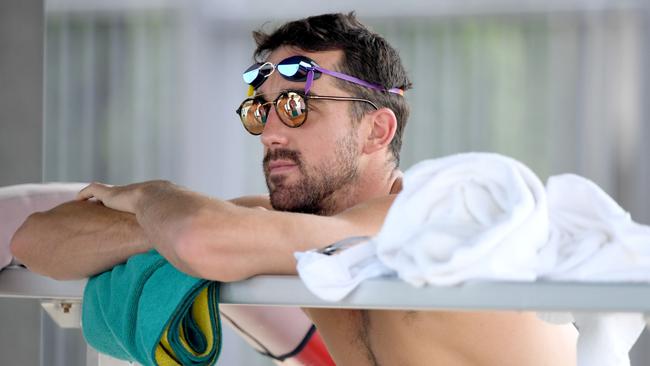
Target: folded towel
19,201
591,237
147,311
335,271
466,216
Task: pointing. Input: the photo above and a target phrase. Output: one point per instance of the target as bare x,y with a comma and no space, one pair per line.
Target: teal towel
147,311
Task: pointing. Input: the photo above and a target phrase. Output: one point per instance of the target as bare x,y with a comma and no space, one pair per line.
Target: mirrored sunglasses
290,106
302,68
294,68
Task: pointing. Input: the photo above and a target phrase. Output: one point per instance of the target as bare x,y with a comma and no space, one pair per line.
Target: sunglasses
291,107
295,68
302,68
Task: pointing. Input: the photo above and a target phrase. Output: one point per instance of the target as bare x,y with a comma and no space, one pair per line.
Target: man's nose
275,132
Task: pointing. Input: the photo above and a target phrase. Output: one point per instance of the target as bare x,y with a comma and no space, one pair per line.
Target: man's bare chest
362,337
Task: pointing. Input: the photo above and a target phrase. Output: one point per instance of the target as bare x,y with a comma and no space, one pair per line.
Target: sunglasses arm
310,80
351,79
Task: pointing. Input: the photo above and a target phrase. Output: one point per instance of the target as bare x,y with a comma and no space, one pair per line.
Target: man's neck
365,188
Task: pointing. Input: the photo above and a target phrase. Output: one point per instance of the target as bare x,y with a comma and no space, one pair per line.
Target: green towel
147,311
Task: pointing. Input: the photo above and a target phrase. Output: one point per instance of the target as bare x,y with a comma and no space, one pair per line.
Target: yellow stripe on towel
165,355
201,314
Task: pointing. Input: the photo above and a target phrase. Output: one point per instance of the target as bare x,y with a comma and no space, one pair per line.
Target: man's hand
151,203
122,198
81,238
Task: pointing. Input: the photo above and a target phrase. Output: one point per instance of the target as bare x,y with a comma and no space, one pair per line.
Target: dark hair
366,55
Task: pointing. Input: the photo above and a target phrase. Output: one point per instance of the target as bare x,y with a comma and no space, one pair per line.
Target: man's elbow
204,256
27,248
23,241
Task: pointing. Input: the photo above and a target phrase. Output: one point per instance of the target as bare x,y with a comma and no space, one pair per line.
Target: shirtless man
330,176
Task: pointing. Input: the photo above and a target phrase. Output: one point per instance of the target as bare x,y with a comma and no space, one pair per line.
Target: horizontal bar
20,282
385,293
392,293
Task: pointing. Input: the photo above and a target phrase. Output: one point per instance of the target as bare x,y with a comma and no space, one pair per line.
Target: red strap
314,353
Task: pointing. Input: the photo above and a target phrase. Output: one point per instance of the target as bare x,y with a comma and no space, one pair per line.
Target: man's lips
280,166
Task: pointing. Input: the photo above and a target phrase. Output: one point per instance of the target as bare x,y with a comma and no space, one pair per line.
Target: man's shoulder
253,201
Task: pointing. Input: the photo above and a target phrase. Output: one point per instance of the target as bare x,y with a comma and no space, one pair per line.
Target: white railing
381,293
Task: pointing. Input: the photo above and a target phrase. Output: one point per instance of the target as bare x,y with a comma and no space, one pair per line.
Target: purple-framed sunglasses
302,68
292,106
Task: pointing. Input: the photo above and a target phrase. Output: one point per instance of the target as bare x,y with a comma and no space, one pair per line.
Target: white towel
332,276
592,239
485,216
466,216
19,201
606,339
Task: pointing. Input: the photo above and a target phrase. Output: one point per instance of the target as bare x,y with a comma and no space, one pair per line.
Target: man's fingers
92,190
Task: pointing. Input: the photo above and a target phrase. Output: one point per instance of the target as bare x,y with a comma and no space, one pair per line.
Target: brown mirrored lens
292,109
248,116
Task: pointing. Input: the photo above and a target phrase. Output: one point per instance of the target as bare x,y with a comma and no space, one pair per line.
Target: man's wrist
150,193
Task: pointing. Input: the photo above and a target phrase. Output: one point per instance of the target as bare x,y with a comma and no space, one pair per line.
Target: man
330,113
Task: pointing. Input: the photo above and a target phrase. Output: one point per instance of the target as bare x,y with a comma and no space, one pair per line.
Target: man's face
305,166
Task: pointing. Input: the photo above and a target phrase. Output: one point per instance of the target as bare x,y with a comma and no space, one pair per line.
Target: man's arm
219,240
79,239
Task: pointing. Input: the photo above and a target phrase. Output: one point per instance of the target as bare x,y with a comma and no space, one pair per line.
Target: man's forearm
214,239
77,239
220,240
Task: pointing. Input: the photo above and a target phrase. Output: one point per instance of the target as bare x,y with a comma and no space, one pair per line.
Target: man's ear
383,125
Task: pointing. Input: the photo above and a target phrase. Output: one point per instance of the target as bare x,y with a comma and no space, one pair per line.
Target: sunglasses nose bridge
267,69
274,131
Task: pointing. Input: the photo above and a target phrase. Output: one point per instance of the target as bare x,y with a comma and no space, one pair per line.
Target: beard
314,191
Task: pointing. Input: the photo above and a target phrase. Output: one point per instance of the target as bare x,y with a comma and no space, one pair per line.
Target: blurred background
147,89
